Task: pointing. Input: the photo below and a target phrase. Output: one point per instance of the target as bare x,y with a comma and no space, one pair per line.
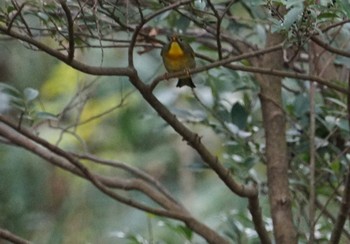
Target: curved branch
194,140
330,48
214,64
70,23
132,170
19,13
340,23
268,71
259,224
66,161
101,182
93,70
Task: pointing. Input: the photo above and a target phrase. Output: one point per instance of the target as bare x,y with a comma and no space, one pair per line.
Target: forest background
99,146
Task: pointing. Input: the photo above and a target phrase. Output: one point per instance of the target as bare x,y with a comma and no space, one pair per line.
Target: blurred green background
107,117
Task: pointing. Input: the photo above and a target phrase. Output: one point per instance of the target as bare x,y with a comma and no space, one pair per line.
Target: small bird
179,56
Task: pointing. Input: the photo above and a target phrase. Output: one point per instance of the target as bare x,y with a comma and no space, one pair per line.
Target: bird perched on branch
179,56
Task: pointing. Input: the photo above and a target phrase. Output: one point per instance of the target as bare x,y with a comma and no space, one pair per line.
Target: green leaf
10,90
343,124
179,229
292,16
336,102
10,9
30,94
249,162
239,115
43,16
46,116
19,104
183,23
187,232
199,4
327,15
301,105
335,166
222,112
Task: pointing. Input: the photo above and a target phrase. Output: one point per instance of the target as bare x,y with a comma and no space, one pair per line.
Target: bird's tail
185,82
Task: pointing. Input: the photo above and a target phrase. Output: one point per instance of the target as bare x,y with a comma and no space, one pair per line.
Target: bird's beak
174,38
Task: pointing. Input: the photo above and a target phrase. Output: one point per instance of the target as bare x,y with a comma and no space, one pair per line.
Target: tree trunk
276,148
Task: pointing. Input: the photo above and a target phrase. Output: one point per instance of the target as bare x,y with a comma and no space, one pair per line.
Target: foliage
91,106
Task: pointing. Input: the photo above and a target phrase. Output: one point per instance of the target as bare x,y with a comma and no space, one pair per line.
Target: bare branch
66,161
132,170
19,13
193,140
7,235
312,150
73,63
330,48
259,224
70,23
218,28
224,62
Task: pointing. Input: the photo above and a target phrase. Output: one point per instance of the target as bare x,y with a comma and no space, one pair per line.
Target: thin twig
330,48
214,64
19,11
66,161
7,235
312,150
70,23
218,28
134,171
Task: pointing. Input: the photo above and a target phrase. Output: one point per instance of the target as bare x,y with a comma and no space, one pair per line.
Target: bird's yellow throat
175,50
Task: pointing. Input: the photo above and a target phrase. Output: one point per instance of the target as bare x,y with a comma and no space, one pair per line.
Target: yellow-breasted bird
179,56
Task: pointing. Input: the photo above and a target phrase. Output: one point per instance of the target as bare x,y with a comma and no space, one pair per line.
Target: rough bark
274,123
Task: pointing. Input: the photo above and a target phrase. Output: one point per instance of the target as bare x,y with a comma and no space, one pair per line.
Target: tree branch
274,122
7,235
132,170
71,48
330,48
93,70
312,150
253,69
259,224
19,13
193,140
214,64
66,161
